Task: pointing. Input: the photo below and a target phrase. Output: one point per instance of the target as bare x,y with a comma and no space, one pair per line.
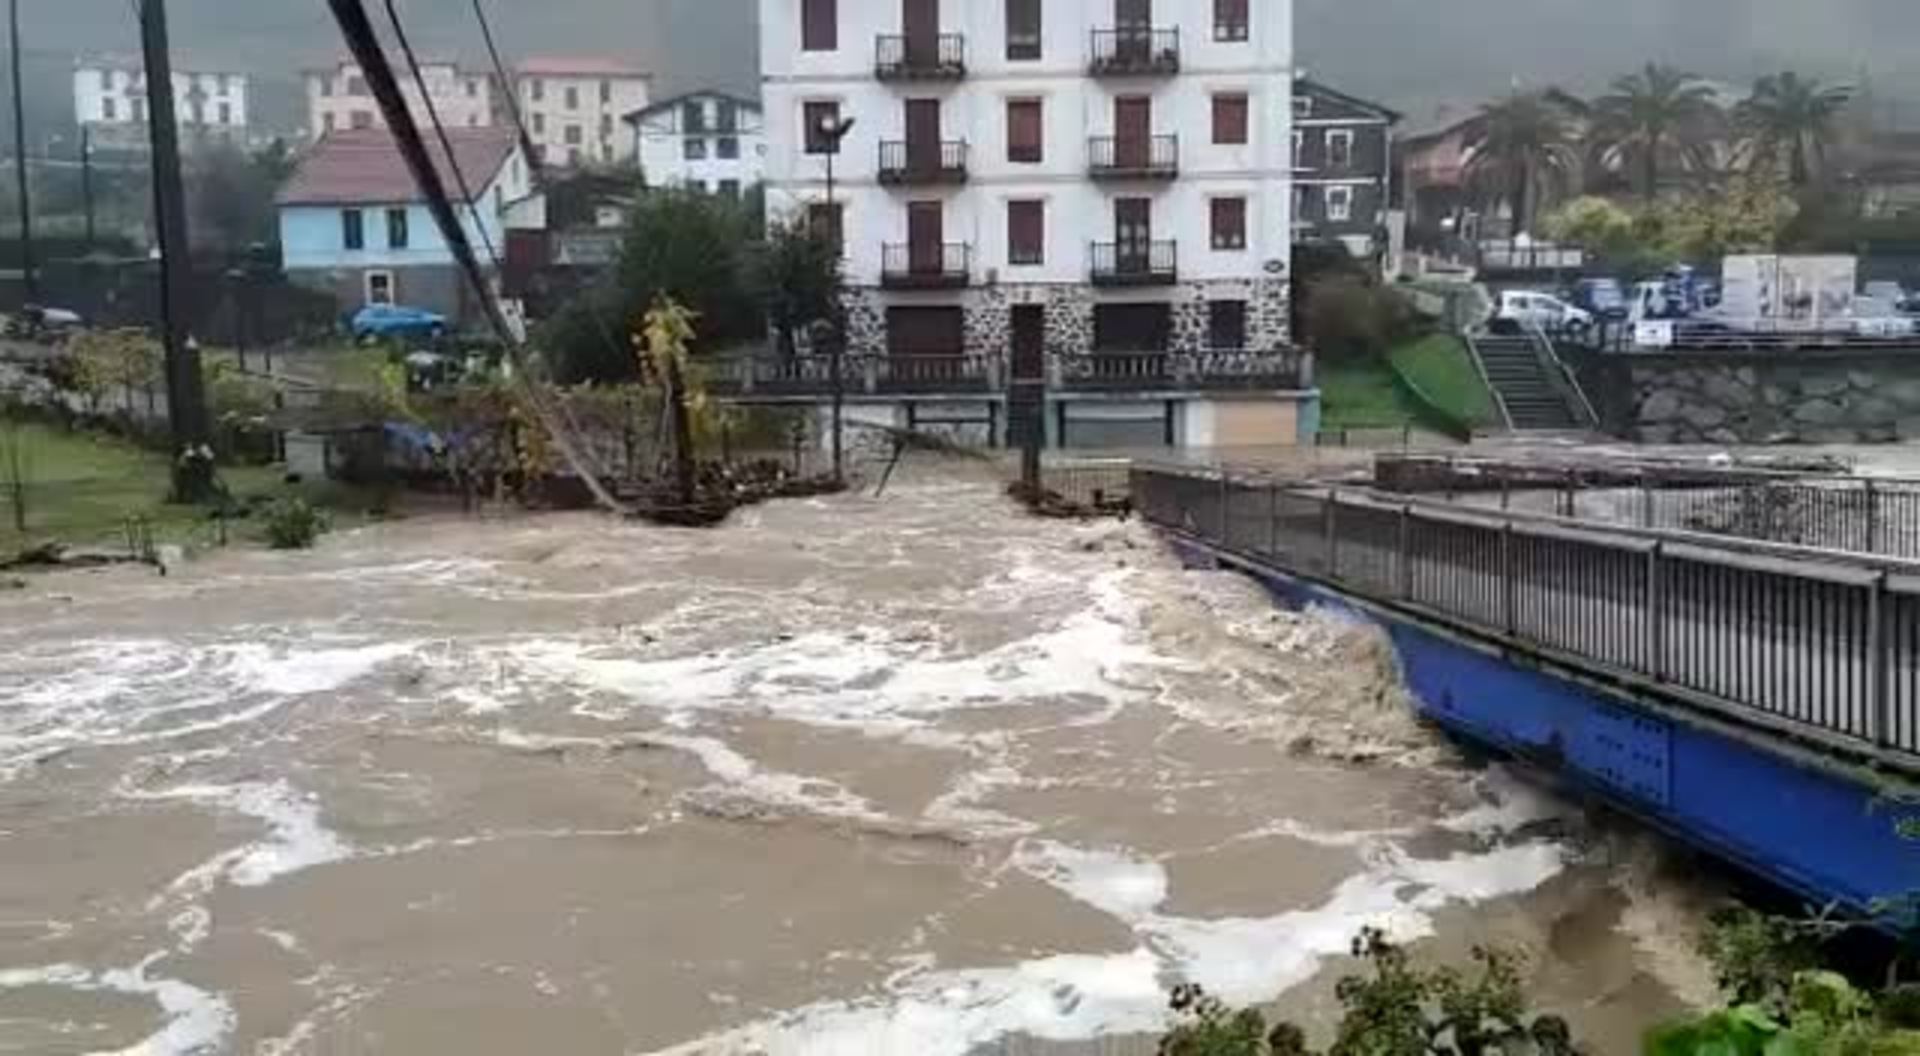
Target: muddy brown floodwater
915,774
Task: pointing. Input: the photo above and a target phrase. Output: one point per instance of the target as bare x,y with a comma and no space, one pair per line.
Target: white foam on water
198,1022
295,838
1065,998
1070,997
871,678
297,672
139,691
736,772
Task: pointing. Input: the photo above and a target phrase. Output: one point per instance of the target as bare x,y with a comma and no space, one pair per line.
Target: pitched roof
581,66
674,102
1307,85
364,166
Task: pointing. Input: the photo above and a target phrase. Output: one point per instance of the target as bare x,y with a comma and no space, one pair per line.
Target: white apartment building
110,100
1102,184
338,98
708,141
573,107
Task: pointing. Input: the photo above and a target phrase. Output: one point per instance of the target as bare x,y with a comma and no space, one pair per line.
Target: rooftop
581,66
364,166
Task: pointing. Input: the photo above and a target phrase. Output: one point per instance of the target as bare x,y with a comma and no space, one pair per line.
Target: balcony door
1132,234
920,24
923,136
1133,21
1132,131
924,237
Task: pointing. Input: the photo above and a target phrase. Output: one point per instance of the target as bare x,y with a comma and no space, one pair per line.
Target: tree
663,345
16,469
1789,121
232,194
796,274
683,245
1523,151
1651,118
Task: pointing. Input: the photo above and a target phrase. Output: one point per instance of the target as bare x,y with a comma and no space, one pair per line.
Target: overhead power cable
507,86
364,43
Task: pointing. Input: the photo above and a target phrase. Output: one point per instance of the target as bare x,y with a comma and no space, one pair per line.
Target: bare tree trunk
683,475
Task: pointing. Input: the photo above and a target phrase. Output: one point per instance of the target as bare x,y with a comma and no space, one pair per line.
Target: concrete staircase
1530,398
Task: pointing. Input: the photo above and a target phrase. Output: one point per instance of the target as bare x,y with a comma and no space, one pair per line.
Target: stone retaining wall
1804,396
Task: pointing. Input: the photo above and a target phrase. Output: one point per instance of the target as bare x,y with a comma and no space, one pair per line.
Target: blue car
393,322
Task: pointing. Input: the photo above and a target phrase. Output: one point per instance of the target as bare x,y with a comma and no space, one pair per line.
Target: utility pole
86,179
27,269
186,396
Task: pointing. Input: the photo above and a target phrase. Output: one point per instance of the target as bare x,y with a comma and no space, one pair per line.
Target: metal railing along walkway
1818,644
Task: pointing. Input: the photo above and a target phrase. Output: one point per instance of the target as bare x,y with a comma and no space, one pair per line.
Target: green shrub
1357,320
294,524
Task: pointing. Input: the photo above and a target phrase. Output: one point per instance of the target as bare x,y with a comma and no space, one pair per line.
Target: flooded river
915,774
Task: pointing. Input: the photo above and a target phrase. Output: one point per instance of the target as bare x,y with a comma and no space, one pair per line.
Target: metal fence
1864,515
1824,644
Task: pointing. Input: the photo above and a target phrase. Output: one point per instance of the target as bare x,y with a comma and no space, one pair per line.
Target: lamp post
833,131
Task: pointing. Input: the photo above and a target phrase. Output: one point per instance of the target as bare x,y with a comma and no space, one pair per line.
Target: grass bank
1365,395
81,488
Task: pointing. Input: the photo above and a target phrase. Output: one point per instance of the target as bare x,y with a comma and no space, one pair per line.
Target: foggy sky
1411,53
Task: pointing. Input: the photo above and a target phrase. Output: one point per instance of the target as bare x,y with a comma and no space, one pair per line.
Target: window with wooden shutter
1230,20
819,25
1230,118
817,117
1229,223
1026,232
1023,30
1024,136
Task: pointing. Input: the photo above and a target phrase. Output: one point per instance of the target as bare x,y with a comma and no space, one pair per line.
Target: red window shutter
1026,233
1229,223
1024,136
1230,119
819,25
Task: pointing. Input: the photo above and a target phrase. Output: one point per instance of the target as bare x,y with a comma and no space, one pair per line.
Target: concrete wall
1805,396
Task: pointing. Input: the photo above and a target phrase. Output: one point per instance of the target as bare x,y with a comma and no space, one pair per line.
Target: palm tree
1651,116
1522,147
1795,116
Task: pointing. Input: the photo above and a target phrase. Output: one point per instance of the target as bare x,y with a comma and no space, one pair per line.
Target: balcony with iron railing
1133,157
897,57
1210,370
912,163
928,266
1135,51
808,377
1141,263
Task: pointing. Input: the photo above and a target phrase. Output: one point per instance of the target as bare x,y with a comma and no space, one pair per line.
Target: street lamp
833,130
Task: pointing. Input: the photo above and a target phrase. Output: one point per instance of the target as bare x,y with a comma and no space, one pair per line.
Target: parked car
384,322
1602,298
40,323
1528,310
1888,292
